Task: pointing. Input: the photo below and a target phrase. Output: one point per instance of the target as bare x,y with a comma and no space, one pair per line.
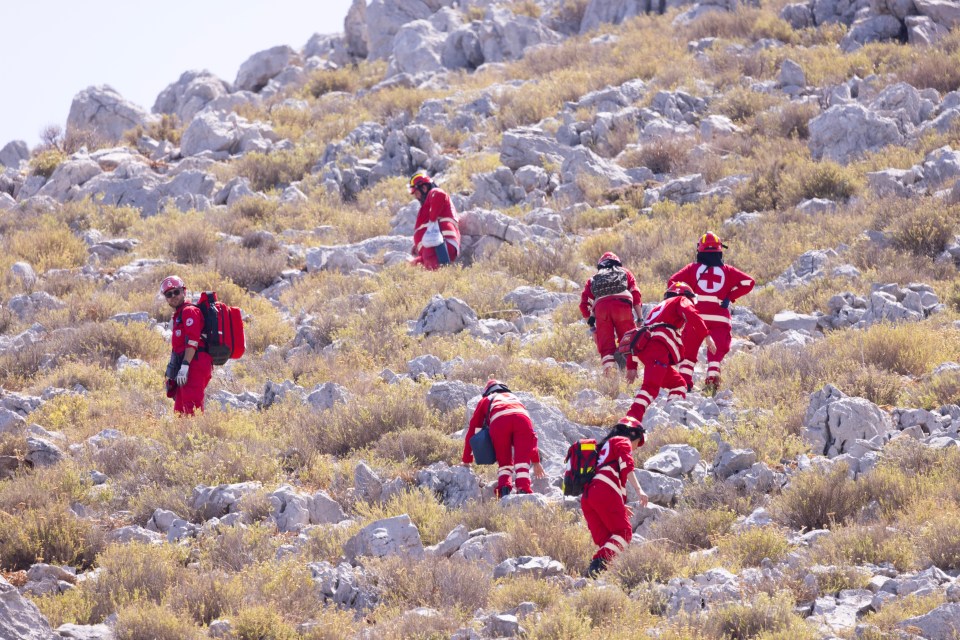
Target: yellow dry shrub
818,499
451,583
47,244
749,547
149,621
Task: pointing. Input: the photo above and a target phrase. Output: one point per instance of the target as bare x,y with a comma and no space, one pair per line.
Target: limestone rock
845,132
258,69
104,112
390,536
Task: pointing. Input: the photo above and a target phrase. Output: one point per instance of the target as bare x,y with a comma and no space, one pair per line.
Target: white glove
182,374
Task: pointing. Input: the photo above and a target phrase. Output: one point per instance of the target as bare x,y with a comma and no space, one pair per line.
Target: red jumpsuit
659,349
187,325
614,316
604,501
712,285
514,440
437,206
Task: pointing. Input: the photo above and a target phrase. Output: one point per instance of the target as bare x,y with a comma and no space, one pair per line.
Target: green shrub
600,606
861,544
640,564
816,499
941,542
691,529
261,622
278,168
436,582
740,104
252,269
47,244
422,446
765,615
207,595
749,547
927,229
509,592
148,621
134,573
46,162
52,535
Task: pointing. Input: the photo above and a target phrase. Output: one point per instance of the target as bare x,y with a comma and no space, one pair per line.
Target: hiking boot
503,491
711,385
525,491
597,565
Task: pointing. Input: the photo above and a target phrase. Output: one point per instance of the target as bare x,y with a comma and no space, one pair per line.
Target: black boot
503,491
596,566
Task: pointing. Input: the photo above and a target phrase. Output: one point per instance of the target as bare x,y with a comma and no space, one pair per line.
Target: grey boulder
104,112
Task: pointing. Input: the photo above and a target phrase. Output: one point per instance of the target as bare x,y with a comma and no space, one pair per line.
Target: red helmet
609,255
678,288
710,243
417,179
171,282
494,386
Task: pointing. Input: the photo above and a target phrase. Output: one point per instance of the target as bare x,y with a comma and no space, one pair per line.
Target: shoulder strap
486,419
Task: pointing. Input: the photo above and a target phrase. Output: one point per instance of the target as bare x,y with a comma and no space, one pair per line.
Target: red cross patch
710,279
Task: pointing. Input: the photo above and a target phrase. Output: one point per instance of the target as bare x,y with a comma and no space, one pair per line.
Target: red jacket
615,464
587,301
187,325
674,314
713,285
505,406
437,206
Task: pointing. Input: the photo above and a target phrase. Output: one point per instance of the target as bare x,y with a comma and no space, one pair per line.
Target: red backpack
580,466
222,328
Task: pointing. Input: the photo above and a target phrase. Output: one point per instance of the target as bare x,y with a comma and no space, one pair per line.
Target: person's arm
586,301
632,479
743,284
695,325
476,421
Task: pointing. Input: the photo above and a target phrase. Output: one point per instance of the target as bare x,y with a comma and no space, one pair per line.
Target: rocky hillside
321,495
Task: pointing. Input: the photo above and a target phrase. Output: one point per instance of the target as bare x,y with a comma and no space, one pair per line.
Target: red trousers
428,257
658,374
721,334
514,442
614,318
606,515
190,396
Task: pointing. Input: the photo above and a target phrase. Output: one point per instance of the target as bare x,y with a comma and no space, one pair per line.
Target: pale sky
51,50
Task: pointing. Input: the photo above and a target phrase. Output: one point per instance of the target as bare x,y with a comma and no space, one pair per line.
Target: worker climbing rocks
658,345
717,286
436,236
608,302
190,366
604,501
513,436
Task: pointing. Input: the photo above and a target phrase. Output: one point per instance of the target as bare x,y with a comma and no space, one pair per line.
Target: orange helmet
678,288
171,282
417,179
710,243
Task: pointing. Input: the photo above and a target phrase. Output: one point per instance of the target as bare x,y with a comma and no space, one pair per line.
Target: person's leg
654,359
503,448
721,334
689,356
428,258
191,395
605,333
675,384
524,441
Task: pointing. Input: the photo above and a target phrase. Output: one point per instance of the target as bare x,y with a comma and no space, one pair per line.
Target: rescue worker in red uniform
659,348
607,302
604,501
513,436
716,285
435,206
190,366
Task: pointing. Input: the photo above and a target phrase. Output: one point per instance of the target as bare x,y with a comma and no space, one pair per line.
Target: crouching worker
436,236
514,440
190,366
657,344
604,501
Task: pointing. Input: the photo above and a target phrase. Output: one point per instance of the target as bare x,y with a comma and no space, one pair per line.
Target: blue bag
482,444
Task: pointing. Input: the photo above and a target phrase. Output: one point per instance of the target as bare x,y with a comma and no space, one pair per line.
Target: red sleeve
685,275
632,288
695,327
439,205
476,421
586,300
625,454
743,284
192,325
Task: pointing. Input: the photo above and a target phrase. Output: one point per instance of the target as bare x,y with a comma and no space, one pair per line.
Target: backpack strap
486,419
